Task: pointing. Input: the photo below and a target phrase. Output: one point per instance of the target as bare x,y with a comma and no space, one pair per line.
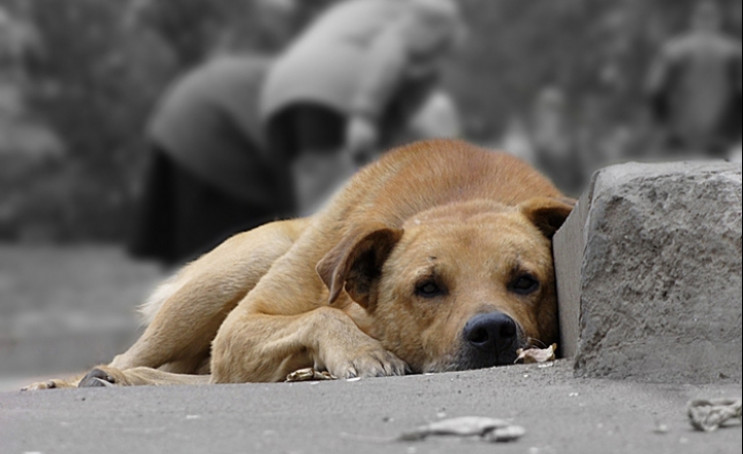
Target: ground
561,413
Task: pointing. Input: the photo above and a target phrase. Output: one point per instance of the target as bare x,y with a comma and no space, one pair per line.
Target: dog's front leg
137,376
55,383
254,347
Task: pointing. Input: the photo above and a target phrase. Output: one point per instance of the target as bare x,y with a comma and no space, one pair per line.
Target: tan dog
435,258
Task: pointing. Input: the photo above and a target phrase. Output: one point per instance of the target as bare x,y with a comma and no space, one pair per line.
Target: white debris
308,374
489,428
536,355
709,415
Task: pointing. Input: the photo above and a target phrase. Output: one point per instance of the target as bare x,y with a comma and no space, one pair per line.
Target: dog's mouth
502,355
466,361
468,356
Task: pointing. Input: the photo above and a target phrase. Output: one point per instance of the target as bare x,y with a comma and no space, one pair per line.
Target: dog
437,257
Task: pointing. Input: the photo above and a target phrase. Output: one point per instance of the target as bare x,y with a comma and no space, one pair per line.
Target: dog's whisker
533,342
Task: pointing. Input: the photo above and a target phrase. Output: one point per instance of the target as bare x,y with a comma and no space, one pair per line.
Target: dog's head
460,286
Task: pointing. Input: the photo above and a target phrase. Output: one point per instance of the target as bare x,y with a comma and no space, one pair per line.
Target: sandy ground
65,309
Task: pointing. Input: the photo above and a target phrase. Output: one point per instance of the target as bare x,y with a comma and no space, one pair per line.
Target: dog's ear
356,263
546,213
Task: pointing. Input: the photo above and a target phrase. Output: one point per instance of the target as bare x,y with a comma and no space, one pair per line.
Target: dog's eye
524,284
428,289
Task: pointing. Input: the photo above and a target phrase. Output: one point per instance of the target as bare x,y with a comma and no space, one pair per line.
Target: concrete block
648,271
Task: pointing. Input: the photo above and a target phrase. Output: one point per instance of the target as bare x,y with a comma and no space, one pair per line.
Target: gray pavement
66,308
561,414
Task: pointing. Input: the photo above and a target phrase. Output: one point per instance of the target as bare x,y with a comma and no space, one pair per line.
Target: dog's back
426,174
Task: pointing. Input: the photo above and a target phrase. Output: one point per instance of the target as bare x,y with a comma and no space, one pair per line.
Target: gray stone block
648,273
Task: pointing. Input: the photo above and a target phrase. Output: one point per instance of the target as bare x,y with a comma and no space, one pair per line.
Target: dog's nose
492,332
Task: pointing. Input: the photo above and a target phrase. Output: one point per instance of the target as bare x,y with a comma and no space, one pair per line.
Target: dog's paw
368,361
48,384
103,376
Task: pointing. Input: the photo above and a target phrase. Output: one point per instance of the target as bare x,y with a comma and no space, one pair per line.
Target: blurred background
123,122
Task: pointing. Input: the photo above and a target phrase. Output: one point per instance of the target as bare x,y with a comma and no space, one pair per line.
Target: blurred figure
351,83
209,174
318,174
695,86
438,117
516,140
554,143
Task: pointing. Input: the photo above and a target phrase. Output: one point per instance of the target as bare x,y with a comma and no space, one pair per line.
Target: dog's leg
187,321
54,383
137,376
109,376
286,322
253,347
179,336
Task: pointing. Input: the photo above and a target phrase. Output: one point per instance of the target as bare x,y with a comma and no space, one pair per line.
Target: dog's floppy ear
356,263
546,213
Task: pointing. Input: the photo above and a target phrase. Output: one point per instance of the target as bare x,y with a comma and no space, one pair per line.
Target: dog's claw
375,363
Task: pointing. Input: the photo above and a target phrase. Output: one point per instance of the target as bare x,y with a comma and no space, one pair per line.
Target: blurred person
554,143
516,140
695,86
318,174
437,117
209,174
354,79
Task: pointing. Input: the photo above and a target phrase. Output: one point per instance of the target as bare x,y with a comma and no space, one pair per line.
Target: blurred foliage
588,48
105,62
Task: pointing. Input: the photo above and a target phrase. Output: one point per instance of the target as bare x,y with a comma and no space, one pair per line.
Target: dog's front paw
48,384
367,361
103,376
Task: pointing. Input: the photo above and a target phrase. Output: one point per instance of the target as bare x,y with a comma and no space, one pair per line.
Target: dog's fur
415,266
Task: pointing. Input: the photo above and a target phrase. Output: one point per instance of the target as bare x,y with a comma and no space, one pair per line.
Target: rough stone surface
649,274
